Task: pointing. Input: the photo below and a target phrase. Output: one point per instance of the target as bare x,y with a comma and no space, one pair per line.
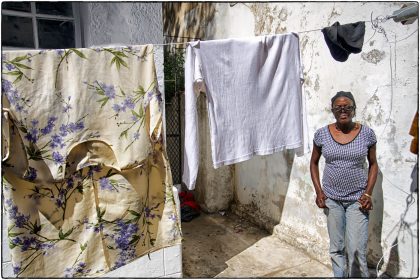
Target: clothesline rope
170,44
374,24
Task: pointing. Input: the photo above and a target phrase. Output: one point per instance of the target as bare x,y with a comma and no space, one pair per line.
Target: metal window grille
174,86
174,57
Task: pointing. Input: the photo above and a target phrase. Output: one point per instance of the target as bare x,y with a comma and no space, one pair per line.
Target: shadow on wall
376,254
214,187
269,192
393,264
375,251
405,234
192,20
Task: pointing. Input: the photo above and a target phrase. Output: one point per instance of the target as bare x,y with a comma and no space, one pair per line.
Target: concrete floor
230,247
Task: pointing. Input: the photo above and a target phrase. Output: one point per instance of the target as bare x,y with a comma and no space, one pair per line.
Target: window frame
34,16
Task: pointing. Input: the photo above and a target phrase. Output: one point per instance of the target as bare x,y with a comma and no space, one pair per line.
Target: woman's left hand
366,203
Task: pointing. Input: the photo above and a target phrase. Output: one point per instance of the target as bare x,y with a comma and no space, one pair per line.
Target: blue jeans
348,231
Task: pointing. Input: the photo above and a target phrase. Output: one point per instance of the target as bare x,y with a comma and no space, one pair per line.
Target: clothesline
168,44
375,26
373,21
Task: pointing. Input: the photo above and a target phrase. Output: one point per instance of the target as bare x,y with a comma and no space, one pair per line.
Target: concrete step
272,257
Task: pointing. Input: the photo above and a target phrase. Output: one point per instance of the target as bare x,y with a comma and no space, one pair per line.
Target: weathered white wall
120,23
277,189
214,187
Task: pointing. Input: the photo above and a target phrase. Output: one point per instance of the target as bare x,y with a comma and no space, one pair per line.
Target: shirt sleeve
371,138
318,138
199,85
191,145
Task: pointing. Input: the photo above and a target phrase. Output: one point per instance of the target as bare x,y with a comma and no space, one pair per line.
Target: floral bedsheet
87,186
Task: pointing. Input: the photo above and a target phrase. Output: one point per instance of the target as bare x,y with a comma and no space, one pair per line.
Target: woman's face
343,110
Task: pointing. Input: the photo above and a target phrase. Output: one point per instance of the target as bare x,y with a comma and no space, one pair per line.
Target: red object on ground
188,199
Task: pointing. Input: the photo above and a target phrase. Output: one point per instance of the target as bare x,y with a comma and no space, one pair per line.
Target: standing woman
347,185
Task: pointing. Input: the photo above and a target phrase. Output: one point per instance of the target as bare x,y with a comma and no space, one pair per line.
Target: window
40,25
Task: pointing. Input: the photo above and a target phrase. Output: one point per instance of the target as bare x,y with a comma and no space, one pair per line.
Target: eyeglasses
345,109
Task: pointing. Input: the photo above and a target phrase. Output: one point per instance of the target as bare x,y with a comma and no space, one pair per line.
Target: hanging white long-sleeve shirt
254,96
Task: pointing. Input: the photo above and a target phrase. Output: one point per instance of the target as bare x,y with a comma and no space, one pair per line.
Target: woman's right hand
320,200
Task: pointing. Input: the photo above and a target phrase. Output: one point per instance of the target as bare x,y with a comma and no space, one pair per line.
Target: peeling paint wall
278,189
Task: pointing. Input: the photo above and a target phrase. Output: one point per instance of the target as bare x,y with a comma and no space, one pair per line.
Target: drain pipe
407,14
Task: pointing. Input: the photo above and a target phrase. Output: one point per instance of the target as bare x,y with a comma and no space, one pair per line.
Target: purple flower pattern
134,104
126,233
6,86
79,269
58,158
149,213
67,108
98,228
109,90
50,125
69,183
172,217
29,241
148,97
32,135
10,67
17,218
93,169
117,108
31,174
125,238
28,57
129,103
16,68
56,141
106,184
37,146
65,129
16,269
